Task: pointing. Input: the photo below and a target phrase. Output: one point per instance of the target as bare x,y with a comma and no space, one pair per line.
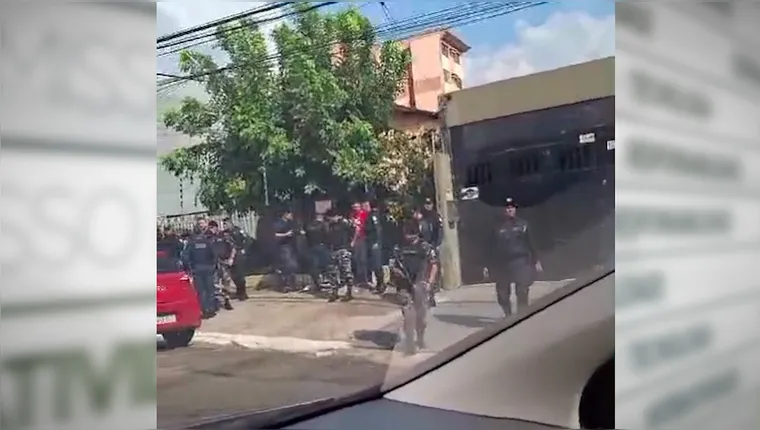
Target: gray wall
170,200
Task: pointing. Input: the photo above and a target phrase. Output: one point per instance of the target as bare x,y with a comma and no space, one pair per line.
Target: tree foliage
405,168
301,120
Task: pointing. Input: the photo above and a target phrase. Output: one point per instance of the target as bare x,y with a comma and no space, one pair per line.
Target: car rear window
166,264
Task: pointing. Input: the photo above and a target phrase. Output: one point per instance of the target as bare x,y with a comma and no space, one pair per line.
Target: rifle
397,262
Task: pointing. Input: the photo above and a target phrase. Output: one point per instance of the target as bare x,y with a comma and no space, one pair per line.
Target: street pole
266,186
447,205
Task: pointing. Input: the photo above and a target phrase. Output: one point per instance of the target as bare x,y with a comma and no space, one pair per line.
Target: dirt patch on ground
301,315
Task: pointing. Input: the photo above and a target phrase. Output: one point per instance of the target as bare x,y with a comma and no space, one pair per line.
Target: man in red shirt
359,243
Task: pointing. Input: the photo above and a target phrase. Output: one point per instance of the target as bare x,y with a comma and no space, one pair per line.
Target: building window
457,80
455,56
445,50
447,76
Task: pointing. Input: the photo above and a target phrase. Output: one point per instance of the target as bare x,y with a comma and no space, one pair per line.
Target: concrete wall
170,201
410,121
567,85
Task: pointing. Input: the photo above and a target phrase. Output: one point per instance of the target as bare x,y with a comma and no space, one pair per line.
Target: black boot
380,289
349,294
241,293
333,296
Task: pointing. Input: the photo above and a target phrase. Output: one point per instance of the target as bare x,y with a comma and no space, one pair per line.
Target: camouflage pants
340,272
414,300
224,287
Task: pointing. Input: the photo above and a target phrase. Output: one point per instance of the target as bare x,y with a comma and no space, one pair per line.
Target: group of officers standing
346,251
213,256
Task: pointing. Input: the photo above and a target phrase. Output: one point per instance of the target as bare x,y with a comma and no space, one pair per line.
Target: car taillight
185,278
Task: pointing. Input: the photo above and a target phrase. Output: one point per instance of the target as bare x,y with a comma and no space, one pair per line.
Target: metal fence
247,222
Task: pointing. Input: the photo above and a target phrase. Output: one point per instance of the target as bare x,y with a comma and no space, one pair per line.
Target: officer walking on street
413,271
200,259
240,241
339,238
431,228
225,255
514,259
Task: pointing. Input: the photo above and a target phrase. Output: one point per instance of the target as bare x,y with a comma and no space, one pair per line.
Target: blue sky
544,37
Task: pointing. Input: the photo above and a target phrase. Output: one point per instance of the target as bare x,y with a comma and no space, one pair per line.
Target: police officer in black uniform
285,232
413,271
514,259
340,234
240,241
319,254
374,232
170,243
435,224
200,259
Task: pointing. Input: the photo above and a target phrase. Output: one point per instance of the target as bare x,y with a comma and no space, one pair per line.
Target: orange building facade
436,68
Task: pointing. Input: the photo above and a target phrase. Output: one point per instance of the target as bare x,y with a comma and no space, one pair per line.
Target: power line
221,21
446,18
219,32
210,36
386,12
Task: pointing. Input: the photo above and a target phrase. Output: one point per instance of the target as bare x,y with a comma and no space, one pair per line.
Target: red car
179,313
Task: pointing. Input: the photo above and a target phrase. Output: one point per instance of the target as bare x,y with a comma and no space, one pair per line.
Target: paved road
201,381
463,312
204,380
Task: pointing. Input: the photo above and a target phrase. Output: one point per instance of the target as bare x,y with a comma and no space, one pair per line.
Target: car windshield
341,232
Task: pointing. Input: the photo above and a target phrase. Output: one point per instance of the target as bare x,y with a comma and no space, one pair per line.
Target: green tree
302,120
405,168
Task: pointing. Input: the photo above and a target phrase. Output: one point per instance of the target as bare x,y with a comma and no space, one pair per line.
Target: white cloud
565,38
174,16
189,13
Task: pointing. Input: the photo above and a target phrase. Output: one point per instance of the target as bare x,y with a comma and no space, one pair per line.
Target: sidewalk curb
281,344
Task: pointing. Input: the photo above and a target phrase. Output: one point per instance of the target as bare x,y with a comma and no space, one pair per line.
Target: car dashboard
379,414
384,414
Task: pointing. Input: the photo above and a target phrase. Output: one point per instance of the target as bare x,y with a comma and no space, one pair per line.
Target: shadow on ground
471,321
382,339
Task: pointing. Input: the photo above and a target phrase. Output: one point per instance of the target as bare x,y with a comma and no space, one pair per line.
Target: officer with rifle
414,269
430,225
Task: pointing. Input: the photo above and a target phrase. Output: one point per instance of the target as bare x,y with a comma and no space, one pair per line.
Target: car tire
179,339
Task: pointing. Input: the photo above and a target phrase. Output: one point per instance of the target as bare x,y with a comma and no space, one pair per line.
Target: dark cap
213,223
510,202
428,201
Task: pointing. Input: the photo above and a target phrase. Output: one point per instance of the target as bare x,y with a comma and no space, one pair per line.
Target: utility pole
446,202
